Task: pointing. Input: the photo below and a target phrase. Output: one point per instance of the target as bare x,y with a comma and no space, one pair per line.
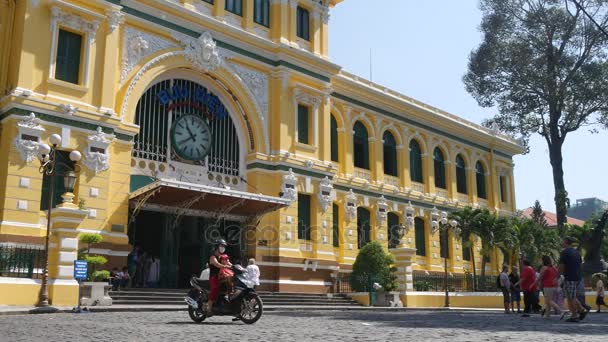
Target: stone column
403,262
111,61
63,250
247,21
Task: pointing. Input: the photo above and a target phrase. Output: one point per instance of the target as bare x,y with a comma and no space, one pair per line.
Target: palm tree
465,218
494,232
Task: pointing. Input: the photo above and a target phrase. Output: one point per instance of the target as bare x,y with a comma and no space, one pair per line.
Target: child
599,288
226,275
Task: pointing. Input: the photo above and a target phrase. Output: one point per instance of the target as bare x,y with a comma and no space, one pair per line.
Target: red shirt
550,277
528,276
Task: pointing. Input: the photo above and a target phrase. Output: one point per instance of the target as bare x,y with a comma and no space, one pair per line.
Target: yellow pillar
247,15
376,159
324,26
315,35
219,9
472,184
347,136
407,177
324,116
279,21
110,61
451,181
279,104
292,13
401,165
429,167
511,186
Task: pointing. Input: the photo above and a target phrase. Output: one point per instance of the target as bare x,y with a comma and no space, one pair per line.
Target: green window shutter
466,251
393,230
390,154
336,224
234,6
415,162
480,176
67,66
361,146
439,166
444,244
261,12
363,227
303,23
461,175
334,139
420,236
303,123
304,217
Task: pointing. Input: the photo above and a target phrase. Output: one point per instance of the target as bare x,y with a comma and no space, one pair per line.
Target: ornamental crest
289,186
96,156
202,52
326,195
350,206
382,210
28,140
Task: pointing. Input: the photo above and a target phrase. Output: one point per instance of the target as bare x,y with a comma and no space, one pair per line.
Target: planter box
390,299
95,293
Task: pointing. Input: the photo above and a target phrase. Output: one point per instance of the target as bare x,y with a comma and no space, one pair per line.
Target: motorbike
244,304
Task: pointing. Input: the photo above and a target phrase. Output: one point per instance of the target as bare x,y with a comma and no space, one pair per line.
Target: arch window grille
480,176
420,236
461,175
393,230
439,163
390,154
334,139
166,101
415,162
361,146
363,227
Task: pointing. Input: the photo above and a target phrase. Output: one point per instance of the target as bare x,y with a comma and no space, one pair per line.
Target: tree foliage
373,261
545,66
538,214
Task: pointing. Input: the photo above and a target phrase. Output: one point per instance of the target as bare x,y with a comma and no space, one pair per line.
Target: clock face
191,137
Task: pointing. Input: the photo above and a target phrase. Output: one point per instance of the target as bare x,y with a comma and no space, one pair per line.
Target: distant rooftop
551,218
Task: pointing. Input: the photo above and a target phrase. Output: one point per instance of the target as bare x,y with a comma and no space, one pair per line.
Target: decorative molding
95,160
115,19
381,210
202,52
326,194
68,109
136,46
288,187
28,149
350,205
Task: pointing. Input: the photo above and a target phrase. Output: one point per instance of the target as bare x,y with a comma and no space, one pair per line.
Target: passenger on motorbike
214,270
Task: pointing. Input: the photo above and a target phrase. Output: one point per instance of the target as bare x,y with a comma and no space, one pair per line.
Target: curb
267,309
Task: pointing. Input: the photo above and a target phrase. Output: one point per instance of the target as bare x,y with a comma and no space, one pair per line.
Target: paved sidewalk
21,310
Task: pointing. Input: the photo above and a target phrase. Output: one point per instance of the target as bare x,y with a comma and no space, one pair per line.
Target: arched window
334,138
393,230
415,162
361,146
461,175
390,154
439,162
420,236
480,175
363,227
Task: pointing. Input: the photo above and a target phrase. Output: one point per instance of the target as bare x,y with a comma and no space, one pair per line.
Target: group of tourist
142,270
557,282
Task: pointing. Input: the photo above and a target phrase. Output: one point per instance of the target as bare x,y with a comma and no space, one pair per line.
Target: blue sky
421,49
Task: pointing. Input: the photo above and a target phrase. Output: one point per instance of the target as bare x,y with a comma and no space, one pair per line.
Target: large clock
191,137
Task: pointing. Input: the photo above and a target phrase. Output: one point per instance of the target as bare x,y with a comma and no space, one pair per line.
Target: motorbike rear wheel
251,309
196,314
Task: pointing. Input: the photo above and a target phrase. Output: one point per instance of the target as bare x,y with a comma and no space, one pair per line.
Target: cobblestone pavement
302,326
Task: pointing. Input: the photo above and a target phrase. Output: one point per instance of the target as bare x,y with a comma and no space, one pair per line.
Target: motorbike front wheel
251,309
196,314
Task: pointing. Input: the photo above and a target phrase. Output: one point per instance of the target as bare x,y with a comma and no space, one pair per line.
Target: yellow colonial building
206,119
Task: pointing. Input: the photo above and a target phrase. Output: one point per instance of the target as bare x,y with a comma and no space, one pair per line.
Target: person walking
515,289
527,283
570,266
548,279
599,291
505,286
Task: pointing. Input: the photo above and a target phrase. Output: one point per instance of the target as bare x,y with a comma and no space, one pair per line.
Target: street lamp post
440,222
48,164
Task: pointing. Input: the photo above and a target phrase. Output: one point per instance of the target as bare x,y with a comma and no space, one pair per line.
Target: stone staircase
159,297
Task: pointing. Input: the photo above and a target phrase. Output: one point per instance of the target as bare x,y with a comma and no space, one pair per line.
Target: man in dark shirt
570,266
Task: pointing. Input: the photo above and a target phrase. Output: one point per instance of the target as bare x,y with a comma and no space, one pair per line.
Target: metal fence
21,261
343,285
435,281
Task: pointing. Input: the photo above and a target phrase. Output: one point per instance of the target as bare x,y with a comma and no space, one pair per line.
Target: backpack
498,282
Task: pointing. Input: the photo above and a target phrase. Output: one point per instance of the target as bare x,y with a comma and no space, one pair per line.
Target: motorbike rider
214,270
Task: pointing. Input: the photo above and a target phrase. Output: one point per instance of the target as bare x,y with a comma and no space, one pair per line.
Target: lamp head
44,150
55,139
75,156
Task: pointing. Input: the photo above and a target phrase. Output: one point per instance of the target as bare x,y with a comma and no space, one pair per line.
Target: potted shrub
95,289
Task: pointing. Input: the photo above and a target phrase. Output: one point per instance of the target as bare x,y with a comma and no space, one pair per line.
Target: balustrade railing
363,174
463,198
457,282
21,261
391,180
443,193
419,187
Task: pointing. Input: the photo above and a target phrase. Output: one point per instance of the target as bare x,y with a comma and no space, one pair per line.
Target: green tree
493,232
93,261
545,67
465,219
373,261
538,214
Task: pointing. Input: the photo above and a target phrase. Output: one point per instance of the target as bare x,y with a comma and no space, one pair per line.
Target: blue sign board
200,98
80,269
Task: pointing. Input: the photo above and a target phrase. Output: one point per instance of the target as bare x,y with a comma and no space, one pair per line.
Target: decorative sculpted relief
326,194
288,187
202,52
96,156
28,140
137,45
